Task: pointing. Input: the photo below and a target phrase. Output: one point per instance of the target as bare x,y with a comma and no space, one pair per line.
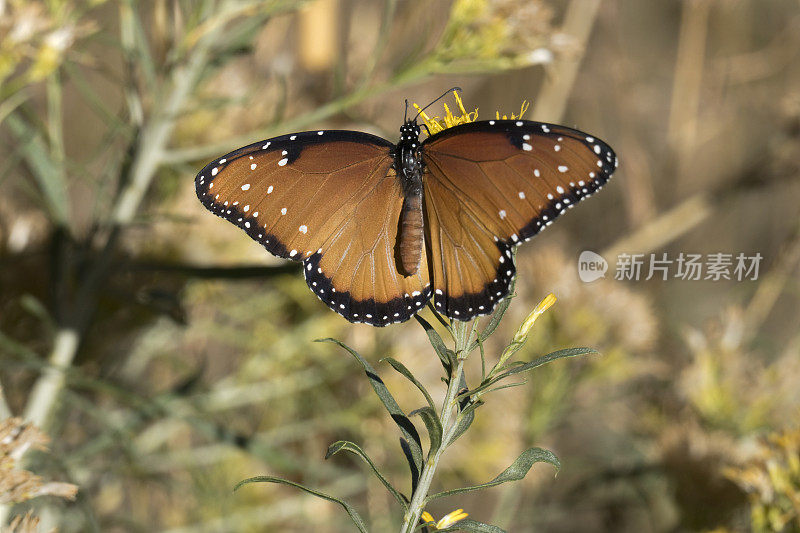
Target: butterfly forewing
331,199
488,186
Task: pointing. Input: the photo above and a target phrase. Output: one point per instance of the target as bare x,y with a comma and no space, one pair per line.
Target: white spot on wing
283,211
502,214
269,189
253,166
303,229
521,195
562,168
527,147
214,171
282,162
246,186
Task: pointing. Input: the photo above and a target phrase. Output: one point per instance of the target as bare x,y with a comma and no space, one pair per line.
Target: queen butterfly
381,228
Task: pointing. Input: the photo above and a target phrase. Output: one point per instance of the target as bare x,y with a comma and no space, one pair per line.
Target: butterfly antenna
405,115
448,91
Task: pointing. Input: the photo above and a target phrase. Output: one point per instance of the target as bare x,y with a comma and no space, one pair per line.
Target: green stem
462,332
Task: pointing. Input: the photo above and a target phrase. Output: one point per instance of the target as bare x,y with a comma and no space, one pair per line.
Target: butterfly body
408,165
382,229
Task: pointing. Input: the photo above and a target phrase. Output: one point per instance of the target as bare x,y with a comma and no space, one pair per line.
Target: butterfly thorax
408,166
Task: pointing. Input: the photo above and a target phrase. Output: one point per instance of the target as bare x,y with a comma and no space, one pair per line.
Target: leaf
517,471
497,316
483,358
401,368
433,425
354,448
543,360
415,471
406,427
48,174
518,367
359,522
438,344
507,386
471,525
465,419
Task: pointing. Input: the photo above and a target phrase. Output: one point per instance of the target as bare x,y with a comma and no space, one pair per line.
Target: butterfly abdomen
411,234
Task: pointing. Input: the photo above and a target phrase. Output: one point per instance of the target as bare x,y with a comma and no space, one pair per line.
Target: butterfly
383,228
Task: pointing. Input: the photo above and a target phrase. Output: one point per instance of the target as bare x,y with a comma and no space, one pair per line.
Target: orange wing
330,199
491,185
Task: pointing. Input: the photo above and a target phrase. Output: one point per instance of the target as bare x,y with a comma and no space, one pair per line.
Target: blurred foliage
194,366
771,478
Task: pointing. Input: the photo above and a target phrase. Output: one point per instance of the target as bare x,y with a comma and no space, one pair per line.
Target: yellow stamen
522,110
436,124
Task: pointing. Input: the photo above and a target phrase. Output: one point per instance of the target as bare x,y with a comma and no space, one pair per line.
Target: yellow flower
523,108
446,521
436,124
544,305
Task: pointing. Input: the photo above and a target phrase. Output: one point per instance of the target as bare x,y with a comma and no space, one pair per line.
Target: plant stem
462,332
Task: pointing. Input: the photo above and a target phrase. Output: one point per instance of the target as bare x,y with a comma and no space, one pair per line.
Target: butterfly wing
491,185
331,200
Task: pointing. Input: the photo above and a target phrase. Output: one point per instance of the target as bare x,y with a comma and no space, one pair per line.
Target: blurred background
167,356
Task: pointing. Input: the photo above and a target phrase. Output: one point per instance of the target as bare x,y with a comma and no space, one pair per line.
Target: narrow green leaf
517,471
518,367
465,419
543,360
401,368
354,448
48,174
507,386
483,358
406,427
141,47
437,343
411,460
473,526
497,316
359,522
433,425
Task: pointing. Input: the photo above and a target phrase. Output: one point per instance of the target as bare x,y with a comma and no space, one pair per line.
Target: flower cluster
34,38
436,124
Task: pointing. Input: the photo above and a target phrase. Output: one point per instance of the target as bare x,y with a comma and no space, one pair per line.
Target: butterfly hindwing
356,273
490,185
